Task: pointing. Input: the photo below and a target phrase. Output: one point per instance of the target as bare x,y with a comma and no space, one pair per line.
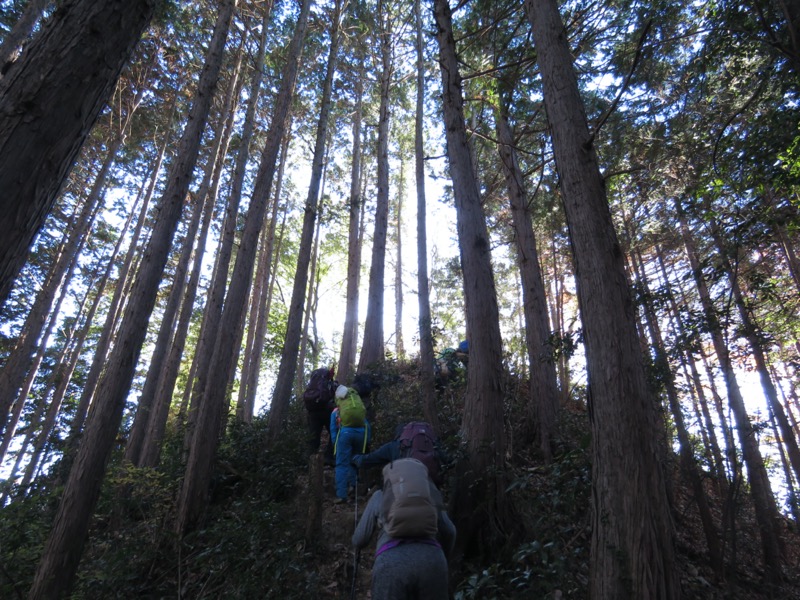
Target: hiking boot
338,500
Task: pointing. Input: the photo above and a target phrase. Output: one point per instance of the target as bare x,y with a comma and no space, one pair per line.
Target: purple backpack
318,396
417,440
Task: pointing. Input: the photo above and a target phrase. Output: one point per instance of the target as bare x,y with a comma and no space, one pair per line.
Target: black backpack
320,391
417,440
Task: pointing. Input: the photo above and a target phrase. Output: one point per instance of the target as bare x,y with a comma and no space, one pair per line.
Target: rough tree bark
427,383
49,100
62,552
205,437
372,346
347,356
628,560
543,389
481,508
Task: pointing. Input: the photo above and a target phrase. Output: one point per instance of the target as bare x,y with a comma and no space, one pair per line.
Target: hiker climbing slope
415,537
415,439
350,432
318,398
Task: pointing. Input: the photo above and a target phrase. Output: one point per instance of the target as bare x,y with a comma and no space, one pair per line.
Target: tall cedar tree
478,512
427,382
628,560
543,391
62,553
294,326
205,437
347,357
372,347
49,100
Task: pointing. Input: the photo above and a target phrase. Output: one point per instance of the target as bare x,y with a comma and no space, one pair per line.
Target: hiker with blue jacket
415,535
415,439
350,433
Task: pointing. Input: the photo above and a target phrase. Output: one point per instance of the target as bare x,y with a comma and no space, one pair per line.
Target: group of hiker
415,535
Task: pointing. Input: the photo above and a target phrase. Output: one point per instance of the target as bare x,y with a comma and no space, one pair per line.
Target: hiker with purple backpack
415,439
415,537
318,398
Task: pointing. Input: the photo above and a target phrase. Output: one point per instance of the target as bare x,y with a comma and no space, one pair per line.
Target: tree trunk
205,438
543,389
667,378
114,310
66,367
721,476
20,32
288,365
398,267
64,546
347,357
484,511
249,383
372,346
628,482
427,383
147,416
19,361
49,101
213,307
761,490
754,336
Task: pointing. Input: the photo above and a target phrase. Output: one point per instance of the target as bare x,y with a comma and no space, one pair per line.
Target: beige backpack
408,508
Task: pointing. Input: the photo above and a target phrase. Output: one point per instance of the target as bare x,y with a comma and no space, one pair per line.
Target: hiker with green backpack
415,537
350,433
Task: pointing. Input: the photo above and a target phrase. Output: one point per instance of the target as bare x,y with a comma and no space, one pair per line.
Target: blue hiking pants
349,442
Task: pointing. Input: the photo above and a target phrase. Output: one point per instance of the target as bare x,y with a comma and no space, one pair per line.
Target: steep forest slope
253,543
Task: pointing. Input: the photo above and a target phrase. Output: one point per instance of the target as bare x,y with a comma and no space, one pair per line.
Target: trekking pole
358,550
355,573
355,500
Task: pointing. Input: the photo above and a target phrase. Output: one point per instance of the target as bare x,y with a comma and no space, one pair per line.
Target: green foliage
551,503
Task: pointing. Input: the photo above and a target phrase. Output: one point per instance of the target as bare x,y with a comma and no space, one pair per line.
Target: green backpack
352,412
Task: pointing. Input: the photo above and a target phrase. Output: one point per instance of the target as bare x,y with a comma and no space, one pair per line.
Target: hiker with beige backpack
415,537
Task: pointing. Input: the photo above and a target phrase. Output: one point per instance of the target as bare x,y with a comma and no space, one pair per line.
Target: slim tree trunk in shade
36,425
169,333
192,497
157,424
66,366
20,32
426,357
62,552
764,505
685,449
372,347
347,356
213,306
754,335
33,369
543,389
308,314
286,371
398,267
693,377
115,308
249,384
480,498
49,100
164,337
19,360
628,480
